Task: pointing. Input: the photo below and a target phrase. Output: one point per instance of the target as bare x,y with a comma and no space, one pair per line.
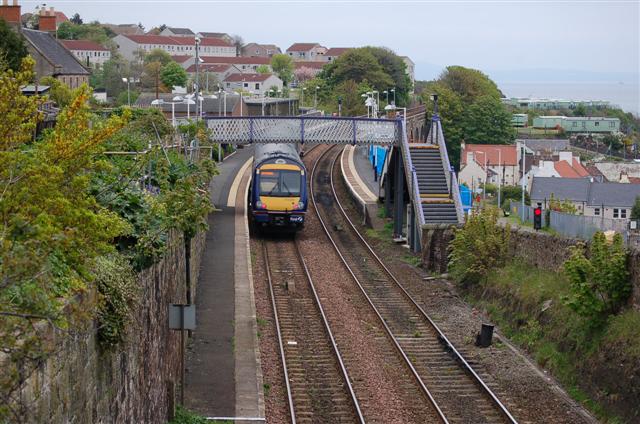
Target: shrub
599,284
117,294
480,246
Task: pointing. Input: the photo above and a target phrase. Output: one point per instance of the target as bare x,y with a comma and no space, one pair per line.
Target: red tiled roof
210,67
82,45
235,60
508,155
565,170
247,77
581,170
60,17
181,58
337,51
309,64
178,41
634,180
302,47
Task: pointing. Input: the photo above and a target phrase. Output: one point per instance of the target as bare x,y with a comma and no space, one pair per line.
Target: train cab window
281,183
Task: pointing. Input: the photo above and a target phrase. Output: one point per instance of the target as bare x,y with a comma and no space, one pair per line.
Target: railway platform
223,375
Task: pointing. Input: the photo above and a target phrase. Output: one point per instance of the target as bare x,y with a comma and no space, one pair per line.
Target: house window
257,86
612,124
623,213
597,124
584,124
596,211
616,213
246,85
574,124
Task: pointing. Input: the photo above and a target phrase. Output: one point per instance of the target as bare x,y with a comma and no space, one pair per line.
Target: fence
574,226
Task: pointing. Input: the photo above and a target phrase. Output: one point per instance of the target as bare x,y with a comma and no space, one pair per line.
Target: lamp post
393,90
315,98
524,169
129,80
197,84
500,170
302,94
386,93
486,174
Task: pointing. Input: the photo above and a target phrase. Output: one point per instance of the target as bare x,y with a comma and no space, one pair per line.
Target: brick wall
84,385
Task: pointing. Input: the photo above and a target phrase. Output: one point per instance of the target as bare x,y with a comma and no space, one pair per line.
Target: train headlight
300,206
261,205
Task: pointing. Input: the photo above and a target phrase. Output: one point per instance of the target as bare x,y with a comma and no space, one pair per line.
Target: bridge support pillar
387,189
398,196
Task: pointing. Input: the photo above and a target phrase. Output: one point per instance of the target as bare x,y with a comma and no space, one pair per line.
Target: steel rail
441,336
343,368
327,328
399,349
280,343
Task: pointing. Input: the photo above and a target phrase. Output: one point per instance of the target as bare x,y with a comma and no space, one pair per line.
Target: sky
518,39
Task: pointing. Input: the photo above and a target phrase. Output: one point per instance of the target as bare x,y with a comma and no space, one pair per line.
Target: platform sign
182,317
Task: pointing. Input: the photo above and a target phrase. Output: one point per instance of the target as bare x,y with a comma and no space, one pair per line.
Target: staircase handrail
452,181
410,175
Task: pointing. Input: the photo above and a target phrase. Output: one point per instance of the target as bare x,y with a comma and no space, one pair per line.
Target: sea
622,94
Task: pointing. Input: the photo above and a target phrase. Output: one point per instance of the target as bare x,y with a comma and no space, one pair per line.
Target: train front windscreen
280,183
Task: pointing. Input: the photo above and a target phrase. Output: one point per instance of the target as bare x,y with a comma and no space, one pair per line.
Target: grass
557,338
412,260
385,234
267,388
184,416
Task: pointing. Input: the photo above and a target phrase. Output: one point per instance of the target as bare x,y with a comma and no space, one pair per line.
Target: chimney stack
11,14
47,20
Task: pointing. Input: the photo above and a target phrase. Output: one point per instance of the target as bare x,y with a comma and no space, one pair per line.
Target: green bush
599,283
117,294
480,246
184,416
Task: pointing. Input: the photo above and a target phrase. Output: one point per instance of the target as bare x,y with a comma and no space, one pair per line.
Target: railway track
318,387
456,391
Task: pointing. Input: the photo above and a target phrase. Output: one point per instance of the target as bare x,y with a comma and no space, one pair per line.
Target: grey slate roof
613,194
54,52
181,31
537,145
574,189
584,190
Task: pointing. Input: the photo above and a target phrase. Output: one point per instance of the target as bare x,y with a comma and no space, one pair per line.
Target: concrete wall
82,384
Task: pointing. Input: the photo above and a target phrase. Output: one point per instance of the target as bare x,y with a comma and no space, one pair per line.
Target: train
278,192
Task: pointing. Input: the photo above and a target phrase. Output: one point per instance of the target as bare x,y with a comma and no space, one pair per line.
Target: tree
394,66
352,104
304,73
263,69
238,42
359,65
157,55
12,48
487,121
470,109
76,19
59,92
470,84
282,65
173,75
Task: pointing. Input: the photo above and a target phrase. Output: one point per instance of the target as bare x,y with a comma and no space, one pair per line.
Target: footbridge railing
303,129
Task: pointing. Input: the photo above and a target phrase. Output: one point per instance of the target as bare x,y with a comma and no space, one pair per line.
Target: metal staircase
437,205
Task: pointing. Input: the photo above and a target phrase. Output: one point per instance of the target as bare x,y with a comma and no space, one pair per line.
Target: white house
334,52
128,45
255,83
491,163
87,52
306,51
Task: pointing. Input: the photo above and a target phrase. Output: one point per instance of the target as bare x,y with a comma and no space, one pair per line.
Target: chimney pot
15,2
5,2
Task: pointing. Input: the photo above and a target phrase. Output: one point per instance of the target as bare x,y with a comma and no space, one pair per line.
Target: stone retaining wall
538,249
82,384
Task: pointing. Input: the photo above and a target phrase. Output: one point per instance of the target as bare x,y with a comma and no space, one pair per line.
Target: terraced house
129,45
